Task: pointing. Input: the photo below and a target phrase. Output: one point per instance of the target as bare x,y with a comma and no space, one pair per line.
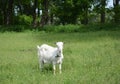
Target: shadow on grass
47,69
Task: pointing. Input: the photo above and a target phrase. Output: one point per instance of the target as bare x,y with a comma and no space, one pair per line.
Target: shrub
25,20
62,28
81,28
16,28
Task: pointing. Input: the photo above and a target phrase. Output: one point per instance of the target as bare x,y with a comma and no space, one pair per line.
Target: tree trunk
45,16
103,3
38,13
34,23
9,15
85,17
103,17
5,13
51,18
20,8
4,17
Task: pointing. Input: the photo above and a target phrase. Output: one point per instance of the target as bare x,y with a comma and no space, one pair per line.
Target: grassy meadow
89,58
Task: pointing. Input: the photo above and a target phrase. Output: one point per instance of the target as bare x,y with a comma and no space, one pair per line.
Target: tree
7,11
24,7
54,11
116,10
45,15
9,15
103,4
34,22
99,7
85,10
66,11
3,5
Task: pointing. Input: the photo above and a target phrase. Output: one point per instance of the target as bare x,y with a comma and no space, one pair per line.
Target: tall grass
89,58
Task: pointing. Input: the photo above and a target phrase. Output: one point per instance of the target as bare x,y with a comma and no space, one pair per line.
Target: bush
62,28
81,28
25,20
16,28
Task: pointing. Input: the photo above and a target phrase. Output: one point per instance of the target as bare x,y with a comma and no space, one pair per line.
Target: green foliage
81,28
62,28
89,58
60,11
15,28
25,20
69,10
117,14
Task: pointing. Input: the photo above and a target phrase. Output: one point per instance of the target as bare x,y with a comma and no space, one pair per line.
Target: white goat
49,54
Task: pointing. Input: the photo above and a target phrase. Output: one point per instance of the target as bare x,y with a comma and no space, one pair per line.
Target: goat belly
48,59
59,62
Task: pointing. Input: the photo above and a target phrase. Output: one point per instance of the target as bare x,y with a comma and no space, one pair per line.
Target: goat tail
38,46
40,51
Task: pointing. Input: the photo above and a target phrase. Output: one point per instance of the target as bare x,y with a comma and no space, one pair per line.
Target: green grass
89,58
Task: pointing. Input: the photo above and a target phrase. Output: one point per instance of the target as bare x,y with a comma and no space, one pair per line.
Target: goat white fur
49,54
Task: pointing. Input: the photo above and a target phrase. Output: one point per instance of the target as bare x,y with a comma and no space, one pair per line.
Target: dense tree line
42,12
